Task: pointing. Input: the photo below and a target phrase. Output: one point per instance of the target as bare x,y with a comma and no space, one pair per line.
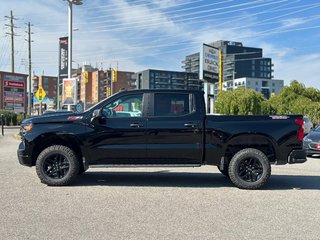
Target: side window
173,104
127,106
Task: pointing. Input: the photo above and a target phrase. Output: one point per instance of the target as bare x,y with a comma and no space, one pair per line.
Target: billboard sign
63,57
13,92
69,91
209,63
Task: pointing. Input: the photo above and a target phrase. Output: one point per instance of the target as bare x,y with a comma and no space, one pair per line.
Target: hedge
11,118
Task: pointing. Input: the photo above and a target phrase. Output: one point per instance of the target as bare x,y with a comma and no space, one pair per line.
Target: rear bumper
23,156
297,156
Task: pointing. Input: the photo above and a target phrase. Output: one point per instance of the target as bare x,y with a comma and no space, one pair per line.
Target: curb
11,127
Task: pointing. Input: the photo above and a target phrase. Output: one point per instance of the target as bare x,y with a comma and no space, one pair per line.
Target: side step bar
143,165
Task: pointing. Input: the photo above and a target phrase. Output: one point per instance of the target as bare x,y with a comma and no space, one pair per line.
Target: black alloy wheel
249,168
57,165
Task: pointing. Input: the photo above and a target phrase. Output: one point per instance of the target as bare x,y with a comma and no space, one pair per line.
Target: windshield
317,129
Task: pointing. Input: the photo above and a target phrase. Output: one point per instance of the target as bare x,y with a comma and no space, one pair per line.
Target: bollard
2,124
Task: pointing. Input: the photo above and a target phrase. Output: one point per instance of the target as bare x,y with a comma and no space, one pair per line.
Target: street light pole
71,2
70,40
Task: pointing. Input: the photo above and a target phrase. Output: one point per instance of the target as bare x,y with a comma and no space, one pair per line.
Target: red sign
13,84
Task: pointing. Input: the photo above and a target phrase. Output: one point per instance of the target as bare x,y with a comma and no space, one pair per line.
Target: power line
275,9
117,27
165,12
246,36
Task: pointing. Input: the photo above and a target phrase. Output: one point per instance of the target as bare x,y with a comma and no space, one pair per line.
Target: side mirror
96,113
97,117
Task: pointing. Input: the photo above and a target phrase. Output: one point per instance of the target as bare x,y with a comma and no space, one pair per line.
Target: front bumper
311,148
312,151
297,156
24,158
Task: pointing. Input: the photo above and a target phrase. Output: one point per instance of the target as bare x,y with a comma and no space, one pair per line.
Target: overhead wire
116,28
297,29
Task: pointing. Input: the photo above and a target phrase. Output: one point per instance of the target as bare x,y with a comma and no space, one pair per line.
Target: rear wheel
57,165
249,169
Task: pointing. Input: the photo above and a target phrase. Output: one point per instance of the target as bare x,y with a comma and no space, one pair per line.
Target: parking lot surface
157,203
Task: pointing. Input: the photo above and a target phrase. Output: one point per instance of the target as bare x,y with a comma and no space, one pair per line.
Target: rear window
173,104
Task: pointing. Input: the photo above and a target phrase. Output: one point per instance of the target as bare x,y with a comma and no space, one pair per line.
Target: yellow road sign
40,94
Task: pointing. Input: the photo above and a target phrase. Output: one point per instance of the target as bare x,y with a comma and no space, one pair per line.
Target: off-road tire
249,169
57,165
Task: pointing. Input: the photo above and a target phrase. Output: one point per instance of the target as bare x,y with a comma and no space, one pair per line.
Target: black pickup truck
163,128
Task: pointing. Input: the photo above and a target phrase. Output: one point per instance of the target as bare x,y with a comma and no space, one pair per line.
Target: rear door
174,129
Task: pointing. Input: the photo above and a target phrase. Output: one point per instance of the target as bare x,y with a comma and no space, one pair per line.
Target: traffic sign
40,94
79,107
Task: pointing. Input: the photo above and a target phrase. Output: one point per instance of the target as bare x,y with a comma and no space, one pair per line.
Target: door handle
136,125
191,125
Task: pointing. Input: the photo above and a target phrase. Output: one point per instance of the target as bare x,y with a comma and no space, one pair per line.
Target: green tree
242,101
297,99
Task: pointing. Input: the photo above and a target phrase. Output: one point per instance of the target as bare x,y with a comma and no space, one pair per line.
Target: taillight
299,122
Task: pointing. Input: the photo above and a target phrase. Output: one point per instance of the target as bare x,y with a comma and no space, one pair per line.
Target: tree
242,101
297,99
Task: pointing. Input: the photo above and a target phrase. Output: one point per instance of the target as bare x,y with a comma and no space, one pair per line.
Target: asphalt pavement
157,203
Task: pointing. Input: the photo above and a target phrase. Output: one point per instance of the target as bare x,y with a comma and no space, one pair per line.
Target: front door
120,138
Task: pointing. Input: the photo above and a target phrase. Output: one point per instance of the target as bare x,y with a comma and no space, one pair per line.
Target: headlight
26,127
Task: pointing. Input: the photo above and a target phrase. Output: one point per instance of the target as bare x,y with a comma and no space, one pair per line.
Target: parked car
307,124
312,142
164,128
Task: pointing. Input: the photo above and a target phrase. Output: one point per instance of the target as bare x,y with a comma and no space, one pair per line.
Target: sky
140,34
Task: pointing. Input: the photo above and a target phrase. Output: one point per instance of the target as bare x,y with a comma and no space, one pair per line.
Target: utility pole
11,25
29,82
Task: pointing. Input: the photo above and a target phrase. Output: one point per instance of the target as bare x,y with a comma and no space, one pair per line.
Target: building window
253,67
256,83
253,74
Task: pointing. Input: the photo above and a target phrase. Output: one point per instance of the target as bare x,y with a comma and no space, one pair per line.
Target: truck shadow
287,182
188,180
153,179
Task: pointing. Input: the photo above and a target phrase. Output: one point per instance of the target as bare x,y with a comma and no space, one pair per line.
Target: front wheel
249,169
57,165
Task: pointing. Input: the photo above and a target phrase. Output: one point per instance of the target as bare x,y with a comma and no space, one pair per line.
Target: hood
53,118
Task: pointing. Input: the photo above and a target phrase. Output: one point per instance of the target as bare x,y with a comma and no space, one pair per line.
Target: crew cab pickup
163,128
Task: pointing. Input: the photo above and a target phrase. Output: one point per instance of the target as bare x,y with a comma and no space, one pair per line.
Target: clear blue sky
158,34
